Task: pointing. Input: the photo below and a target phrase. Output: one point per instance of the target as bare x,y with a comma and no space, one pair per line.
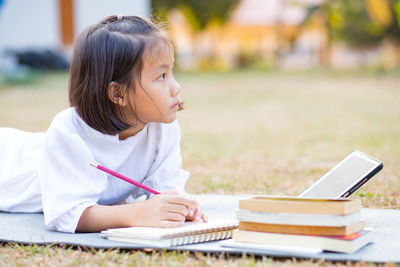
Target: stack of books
328,224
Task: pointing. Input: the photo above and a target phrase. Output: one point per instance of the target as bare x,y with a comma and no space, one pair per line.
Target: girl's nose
175,88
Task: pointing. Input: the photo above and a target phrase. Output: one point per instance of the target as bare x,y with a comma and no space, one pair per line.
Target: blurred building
276,33
53,24
270,31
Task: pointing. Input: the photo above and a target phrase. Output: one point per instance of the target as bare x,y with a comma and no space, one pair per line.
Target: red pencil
120,176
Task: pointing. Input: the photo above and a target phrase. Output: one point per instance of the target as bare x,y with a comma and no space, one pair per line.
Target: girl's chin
170,118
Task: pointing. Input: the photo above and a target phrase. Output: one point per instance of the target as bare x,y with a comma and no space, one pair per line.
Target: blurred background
213,35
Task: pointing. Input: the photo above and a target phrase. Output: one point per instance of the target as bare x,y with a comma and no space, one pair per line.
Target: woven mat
28,228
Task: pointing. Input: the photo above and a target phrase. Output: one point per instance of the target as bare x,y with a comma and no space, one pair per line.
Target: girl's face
156,97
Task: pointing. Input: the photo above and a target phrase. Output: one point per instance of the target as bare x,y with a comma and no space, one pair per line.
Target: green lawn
244,133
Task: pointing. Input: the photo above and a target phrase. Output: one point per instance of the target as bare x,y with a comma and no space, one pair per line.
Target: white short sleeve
68,184
166,173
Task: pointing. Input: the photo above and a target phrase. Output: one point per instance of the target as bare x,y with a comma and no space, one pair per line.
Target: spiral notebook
190,233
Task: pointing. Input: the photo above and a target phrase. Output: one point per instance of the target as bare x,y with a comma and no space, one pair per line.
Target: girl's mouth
175,106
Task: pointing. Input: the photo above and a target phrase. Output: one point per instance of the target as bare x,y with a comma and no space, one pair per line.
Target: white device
345,178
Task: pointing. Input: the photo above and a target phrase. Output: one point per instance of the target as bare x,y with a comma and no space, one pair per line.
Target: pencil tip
93,164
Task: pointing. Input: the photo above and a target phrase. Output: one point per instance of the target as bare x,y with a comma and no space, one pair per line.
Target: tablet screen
356,168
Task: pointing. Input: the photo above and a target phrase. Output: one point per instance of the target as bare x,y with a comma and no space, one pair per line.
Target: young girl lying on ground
124,100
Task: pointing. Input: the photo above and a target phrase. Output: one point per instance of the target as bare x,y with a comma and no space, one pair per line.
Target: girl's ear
116,94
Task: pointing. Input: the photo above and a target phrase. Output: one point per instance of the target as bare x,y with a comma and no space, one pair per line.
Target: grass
248,132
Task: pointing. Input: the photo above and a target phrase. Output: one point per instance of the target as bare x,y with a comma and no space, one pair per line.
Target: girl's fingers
200,216
191,213
176,199
196,216
175,217
204,218
182,200
179,209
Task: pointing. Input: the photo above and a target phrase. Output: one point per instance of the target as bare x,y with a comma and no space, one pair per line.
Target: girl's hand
165,210
195,214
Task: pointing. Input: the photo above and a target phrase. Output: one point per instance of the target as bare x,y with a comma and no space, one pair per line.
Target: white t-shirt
50,171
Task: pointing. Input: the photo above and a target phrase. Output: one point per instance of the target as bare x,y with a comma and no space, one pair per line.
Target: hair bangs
158,46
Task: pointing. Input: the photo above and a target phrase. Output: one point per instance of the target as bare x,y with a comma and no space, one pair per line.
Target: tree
198,13
361,23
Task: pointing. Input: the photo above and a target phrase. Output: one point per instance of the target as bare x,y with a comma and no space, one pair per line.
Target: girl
123,100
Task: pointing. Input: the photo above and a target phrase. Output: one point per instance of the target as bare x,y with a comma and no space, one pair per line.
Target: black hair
109,51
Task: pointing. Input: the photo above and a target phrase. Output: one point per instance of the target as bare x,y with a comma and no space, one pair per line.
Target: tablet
345,178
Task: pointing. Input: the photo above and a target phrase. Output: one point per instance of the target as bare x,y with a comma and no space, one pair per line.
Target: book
298,219
270,204
252,247
345,244
302,229
190,233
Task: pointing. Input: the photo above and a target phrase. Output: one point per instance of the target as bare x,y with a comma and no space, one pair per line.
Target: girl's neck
131,131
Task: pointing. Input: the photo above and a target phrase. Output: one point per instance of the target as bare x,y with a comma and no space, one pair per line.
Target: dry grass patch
243,133
19,255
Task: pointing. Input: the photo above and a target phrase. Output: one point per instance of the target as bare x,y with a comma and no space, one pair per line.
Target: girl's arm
162,210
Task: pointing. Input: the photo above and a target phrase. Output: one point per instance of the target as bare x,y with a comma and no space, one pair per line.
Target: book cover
298,219
251,247
300,205
344,244
302,229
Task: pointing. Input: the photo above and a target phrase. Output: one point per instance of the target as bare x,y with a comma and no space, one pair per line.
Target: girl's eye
162,77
